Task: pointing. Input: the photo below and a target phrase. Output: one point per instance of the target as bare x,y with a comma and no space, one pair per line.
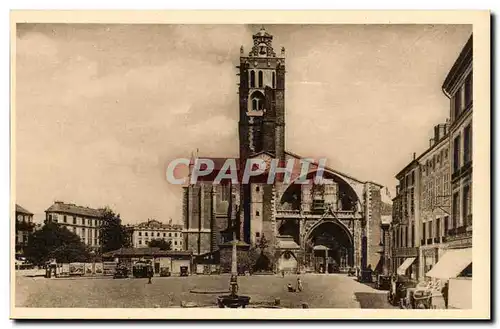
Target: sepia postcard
250,165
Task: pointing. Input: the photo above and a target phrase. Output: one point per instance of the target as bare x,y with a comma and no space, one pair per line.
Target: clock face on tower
266,158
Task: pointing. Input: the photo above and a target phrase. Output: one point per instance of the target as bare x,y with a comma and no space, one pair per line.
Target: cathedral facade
316,227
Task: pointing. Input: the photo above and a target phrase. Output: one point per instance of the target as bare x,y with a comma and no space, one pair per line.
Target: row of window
89,232
464,210
437,161
460,158
260,77
84,221
175,242
462,100
435,189
439,227
24,218
158,234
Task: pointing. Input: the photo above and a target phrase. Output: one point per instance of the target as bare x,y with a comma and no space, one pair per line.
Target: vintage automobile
121,272
184,271
165,271
383,282
398,290
141,269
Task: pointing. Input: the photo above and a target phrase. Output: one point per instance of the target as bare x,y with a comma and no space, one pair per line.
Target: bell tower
262,99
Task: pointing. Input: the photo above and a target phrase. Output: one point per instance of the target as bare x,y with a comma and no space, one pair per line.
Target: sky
102,109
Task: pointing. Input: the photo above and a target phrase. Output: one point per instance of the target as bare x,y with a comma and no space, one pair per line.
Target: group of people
299,286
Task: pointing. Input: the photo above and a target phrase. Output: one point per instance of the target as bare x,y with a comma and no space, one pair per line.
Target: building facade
432,211
83,221
405,221
317,227
24,227
458,88
145,232
434,199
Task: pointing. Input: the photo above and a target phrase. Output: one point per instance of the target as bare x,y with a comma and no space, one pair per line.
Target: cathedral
307,227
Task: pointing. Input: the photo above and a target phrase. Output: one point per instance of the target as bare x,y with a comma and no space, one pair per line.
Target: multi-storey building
83,221
145,232
405,223
434,198
458,88
24,227
307,226
432,211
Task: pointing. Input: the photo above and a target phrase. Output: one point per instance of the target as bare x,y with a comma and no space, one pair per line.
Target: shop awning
451,264
403,267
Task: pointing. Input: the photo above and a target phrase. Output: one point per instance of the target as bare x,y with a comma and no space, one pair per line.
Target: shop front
454,272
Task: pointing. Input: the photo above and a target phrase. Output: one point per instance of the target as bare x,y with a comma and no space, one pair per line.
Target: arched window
258,100
252,79
261,79
274,80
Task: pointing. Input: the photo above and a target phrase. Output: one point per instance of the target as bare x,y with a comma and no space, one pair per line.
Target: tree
160,243
113,233
54,241
264,260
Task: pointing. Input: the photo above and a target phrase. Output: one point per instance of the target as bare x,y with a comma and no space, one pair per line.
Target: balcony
429,241
436,240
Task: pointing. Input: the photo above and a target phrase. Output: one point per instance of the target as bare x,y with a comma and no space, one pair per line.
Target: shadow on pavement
372,300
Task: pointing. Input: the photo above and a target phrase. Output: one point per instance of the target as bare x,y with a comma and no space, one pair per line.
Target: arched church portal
329,247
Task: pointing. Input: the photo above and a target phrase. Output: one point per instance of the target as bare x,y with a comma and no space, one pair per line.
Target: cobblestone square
320,291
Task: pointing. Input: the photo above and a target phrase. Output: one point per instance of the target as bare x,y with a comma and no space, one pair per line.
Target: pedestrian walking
150,275
299,284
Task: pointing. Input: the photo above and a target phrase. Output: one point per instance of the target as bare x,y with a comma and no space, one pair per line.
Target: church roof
330,169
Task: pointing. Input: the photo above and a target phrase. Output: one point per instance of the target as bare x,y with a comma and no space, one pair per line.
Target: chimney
414,155
437,132
431,142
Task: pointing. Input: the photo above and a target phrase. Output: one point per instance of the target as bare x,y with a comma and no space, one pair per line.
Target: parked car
141,269
121,272
184,271
383,282
398,290
165,271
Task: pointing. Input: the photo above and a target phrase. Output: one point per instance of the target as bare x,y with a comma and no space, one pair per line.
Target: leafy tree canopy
160,243
113,233
54,241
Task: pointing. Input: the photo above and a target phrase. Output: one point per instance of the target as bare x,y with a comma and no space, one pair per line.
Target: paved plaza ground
320,291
